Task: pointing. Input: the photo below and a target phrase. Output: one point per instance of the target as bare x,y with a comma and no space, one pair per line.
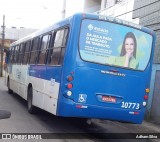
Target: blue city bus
85,66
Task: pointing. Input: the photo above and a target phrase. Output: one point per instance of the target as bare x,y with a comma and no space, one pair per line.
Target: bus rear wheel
31,108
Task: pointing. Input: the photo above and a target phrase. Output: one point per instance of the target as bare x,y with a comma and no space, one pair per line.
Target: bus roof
66,21
42,31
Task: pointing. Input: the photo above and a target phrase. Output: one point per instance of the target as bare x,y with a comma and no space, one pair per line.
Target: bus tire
8,85
30,107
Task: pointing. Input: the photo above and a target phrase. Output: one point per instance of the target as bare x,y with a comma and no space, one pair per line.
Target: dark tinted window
27,52
43,49
9,54
12,54
16,51
57,49
34,50
21,52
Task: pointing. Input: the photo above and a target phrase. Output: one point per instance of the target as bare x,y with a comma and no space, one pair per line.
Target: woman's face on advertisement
129,45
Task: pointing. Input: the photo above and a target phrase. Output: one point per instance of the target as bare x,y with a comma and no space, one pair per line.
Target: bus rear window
113,44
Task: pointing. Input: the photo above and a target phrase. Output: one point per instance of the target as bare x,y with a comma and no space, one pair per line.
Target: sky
36,14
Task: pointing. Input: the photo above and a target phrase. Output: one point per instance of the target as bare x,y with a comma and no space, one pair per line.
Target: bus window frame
28,52
49,34
66,27
31,50
20,53
24,49
11,55
16,54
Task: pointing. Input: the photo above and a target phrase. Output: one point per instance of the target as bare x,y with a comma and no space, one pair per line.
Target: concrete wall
153,109
148,12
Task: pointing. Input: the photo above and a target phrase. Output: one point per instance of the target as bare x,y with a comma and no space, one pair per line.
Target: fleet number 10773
130,105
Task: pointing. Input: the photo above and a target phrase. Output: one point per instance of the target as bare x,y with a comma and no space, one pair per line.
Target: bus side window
12,54
43,48
34,47
58,47
7,58
63,46
21,50
16,52
26,54
9,55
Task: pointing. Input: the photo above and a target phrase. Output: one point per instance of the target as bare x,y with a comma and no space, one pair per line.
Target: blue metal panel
37,71
92,84
45,72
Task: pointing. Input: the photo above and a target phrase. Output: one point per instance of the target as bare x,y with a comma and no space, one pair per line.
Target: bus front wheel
31,108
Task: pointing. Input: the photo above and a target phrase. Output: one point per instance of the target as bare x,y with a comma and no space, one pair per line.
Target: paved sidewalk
145,127
151,126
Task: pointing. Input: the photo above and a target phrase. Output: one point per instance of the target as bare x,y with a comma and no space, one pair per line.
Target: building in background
92,5
146,13
13,34
122,9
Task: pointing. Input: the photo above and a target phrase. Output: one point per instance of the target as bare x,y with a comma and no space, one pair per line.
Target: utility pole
2,47
64,9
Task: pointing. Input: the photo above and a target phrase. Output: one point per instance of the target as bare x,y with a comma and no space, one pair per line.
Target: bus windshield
113,44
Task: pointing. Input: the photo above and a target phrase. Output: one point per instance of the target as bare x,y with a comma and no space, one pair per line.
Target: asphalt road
42,122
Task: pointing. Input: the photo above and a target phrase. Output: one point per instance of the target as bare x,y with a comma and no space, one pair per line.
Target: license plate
108,99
